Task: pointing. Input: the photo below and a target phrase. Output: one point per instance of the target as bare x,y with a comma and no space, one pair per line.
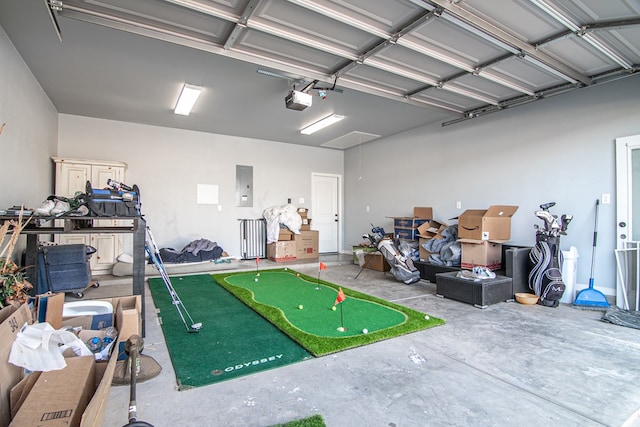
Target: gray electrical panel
244,186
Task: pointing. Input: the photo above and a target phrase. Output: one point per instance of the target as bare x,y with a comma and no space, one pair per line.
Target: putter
154,256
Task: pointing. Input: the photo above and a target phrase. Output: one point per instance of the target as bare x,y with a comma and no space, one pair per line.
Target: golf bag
401,265
545,276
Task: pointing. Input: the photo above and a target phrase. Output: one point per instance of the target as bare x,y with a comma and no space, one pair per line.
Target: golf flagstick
321,267
339,299
257,264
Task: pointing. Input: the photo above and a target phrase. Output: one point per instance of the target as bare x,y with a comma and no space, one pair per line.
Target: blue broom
590,297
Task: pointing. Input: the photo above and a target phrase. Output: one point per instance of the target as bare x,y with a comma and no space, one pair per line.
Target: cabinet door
108,247
71,177
73,239
100,174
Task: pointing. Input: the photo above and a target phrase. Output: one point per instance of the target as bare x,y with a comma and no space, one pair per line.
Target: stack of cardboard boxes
406,227
75,395
482,233
291,246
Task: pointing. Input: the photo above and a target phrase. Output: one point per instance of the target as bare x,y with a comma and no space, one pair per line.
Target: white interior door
325,214
627,215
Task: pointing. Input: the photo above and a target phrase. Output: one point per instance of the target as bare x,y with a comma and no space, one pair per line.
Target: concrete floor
506,365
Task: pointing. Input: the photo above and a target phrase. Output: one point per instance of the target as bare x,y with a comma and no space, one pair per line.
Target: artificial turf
359,320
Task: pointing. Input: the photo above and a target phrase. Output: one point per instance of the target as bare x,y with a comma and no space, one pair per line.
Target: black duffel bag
110,202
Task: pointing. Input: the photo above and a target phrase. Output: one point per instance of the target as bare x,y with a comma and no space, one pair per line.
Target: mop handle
595,242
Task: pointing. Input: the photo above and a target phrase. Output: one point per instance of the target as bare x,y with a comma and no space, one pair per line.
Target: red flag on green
341,297
323,266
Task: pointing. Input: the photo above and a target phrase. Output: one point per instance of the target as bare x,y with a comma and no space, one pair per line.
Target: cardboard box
94,393
49,309
423,254
407,227
306,244
126,317
285,234
431,229
306,224
486,224
375,261
11,320
92,415
282,251
481,253
58,398
362,249
303,212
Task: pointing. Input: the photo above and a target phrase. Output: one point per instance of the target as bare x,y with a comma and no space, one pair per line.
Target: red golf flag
258,260
341,297
322,266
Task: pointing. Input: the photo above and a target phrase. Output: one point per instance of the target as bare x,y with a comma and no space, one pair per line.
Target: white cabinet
71,175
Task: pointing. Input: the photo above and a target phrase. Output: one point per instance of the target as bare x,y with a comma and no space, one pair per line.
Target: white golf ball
426,317
256,279
365,331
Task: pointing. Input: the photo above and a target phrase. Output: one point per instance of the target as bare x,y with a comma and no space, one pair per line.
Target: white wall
558,149
168,164
29,137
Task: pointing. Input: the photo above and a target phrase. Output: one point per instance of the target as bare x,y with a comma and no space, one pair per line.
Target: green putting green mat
234,339
302,307
253,321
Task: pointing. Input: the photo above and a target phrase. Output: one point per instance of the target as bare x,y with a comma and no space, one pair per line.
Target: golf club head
546,217
565,219
546,206
195,328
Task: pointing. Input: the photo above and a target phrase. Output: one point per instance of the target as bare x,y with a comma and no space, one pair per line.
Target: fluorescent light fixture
321,124
187,99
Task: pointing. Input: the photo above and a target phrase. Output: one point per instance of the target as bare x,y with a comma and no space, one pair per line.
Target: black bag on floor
110,202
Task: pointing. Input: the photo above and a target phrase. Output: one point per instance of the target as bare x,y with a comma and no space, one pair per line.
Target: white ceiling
387,65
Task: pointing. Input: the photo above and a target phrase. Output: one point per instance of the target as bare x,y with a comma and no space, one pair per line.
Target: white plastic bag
39,347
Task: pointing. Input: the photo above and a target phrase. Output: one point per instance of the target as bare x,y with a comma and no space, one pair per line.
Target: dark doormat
618,316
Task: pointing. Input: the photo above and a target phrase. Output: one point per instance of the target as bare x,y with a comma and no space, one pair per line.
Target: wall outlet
606,198
367,208
219,208
301,200
458,205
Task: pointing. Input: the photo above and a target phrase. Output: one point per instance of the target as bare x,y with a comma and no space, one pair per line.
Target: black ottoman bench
481,293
